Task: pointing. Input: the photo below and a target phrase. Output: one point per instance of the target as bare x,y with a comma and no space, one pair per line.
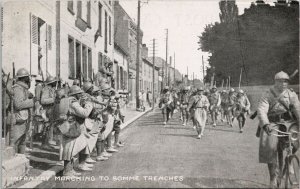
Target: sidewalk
46,164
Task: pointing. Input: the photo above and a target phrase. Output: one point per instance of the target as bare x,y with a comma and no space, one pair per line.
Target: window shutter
89,13
49,34
70,5
34,29
79,9
1,19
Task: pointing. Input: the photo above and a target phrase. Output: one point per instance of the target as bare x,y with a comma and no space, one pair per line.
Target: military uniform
242,106
184,101
165,104
199,103
215,102
230,107
274,107
22,105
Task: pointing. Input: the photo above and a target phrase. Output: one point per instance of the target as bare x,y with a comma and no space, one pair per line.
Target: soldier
224,96
199,103
72,117
174,103
39,114
229,106
76,82
164,104
242,106
215,102
47,101
276,105
118,118
23,101
184,101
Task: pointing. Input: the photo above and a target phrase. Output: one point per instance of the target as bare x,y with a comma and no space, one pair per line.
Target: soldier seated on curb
71,125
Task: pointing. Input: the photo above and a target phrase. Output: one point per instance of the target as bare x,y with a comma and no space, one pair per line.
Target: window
49,37
100,19
84,61
71,7
109,29
84,12
90,65
78,60
100,60
71,58
118,78
121,78
125,80
105,34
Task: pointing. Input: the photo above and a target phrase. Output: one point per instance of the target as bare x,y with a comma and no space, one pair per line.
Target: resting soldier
278,104
47,101
23,101
71,124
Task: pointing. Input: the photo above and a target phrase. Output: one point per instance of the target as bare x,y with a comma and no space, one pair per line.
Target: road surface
158,156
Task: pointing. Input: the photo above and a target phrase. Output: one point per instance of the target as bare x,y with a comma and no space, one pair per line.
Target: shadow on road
220,129
183,135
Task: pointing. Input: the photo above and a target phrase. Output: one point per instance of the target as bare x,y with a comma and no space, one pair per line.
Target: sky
185,20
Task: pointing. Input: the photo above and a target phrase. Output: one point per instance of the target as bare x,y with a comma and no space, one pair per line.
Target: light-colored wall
122,62
67,27
16,36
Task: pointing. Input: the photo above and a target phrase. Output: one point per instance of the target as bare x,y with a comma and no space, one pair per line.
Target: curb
48,174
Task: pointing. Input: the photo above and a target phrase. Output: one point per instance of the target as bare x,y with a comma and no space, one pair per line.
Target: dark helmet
75,90
86,86
76,82
50,79
22,72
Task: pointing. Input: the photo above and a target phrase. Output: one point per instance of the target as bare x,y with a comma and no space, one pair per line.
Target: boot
273,175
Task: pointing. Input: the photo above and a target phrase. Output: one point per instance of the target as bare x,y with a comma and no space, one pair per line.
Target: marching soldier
184,101
229,106
199,103
224,96
242,106
215,102
47,101
276,105
23,100
164,104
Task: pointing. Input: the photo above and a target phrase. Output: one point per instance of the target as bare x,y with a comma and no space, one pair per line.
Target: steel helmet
200,89
214,87
241,91
186,88
39,78
76,82
105,86
87,80
96,89
166,88
22,72
117,95
75,90
50,79
231,90
282,75
86,86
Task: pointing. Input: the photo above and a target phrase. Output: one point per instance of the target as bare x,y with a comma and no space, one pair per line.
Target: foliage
262,41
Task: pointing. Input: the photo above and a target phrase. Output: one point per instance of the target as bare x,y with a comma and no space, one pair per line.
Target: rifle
11,106
4,105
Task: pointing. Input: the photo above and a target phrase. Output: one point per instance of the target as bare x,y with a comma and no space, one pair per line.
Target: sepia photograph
150,94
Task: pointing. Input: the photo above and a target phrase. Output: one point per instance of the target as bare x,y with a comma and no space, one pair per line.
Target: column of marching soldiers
197,104
81,119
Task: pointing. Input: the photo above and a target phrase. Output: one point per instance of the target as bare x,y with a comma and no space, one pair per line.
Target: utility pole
240,77
169,72
137,79
153,75
203,69
193,80
174,70
167,57
229,82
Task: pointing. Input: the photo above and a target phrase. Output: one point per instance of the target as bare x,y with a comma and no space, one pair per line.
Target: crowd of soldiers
81,119
197,104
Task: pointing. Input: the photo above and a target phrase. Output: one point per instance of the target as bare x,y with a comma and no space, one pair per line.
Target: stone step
8,153
13,169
